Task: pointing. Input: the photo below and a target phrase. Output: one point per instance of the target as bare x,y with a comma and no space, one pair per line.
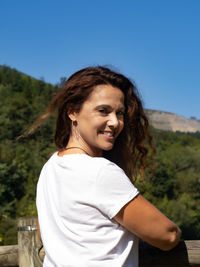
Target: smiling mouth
109,134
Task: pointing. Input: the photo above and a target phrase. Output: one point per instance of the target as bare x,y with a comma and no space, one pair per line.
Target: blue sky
156,43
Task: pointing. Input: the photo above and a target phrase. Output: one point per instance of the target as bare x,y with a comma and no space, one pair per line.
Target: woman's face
100,120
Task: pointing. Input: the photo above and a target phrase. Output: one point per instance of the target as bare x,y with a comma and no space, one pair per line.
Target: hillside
172,122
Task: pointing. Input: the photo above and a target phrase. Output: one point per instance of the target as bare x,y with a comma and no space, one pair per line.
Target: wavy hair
131,146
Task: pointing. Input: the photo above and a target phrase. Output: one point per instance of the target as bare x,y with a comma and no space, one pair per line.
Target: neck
76,147
81,145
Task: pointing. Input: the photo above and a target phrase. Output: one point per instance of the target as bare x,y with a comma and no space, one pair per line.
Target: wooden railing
29,251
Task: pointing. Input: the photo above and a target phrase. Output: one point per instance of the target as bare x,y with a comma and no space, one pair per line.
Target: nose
113,120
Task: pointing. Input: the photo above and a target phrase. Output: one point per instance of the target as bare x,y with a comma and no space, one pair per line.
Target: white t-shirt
77,197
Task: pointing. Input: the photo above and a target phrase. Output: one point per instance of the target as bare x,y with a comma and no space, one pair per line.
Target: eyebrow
109,107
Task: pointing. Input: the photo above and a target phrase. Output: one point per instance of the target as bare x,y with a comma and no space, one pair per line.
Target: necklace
72,147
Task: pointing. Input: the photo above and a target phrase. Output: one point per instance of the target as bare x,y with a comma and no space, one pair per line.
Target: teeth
108,133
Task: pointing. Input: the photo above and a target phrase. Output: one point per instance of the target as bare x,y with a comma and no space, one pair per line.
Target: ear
72,115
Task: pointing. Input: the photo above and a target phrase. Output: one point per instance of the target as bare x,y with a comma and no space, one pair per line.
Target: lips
107,133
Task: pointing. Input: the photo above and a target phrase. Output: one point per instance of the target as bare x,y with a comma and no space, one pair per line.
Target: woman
90,214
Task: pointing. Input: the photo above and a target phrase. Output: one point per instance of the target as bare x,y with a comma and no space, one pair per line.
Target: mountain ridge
168,121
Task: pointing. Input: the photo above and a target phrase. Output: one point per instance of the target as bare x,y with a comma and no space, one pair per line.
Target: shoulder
110,175
110,170
81,163
113,188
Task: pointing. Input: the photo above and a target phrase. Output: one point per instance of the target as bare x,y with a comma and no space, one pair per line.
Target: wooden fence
29,251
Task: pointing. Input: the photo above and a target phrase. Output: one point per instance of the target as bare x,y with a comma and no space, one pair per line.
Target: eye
120,113
103,111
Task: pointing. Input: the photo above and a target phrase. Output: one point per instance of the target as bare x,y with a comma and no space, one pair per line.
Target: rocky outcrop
172,122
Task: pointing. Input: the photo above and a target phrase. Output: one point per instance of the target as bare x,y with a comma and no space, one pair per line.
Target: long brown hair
130,149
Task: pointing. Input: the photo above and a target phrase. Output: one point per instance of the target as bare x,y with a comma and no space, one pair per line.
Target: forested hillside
174,188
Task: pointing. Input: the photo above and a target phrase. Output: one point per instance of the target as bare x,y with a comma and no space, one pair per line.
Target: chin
107,148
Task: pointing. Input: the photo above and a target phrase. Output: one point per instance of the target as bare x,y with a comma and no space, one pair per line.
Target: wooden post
28,243
9,256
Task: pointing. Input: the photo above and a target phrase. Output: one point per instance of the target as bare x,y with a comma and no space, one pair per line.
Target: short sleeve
113,189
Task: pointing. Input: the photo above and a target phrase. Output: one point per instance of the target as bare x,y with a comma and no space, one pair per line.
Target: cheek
121,125
91,126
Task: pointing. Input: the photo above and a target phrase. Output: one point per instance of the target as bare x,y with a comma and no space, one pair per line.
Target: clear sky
156,43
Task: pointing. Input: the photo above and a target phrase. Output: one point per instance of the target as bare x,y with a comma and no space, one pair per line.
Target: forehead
106,93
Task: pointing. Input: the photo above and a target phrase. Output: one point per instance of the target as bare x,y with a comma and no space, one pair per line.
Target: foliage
8,233
196,134
174,188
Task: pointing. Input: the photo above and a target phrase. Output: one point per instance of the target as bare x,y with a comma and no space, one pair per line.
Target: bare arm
144,220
